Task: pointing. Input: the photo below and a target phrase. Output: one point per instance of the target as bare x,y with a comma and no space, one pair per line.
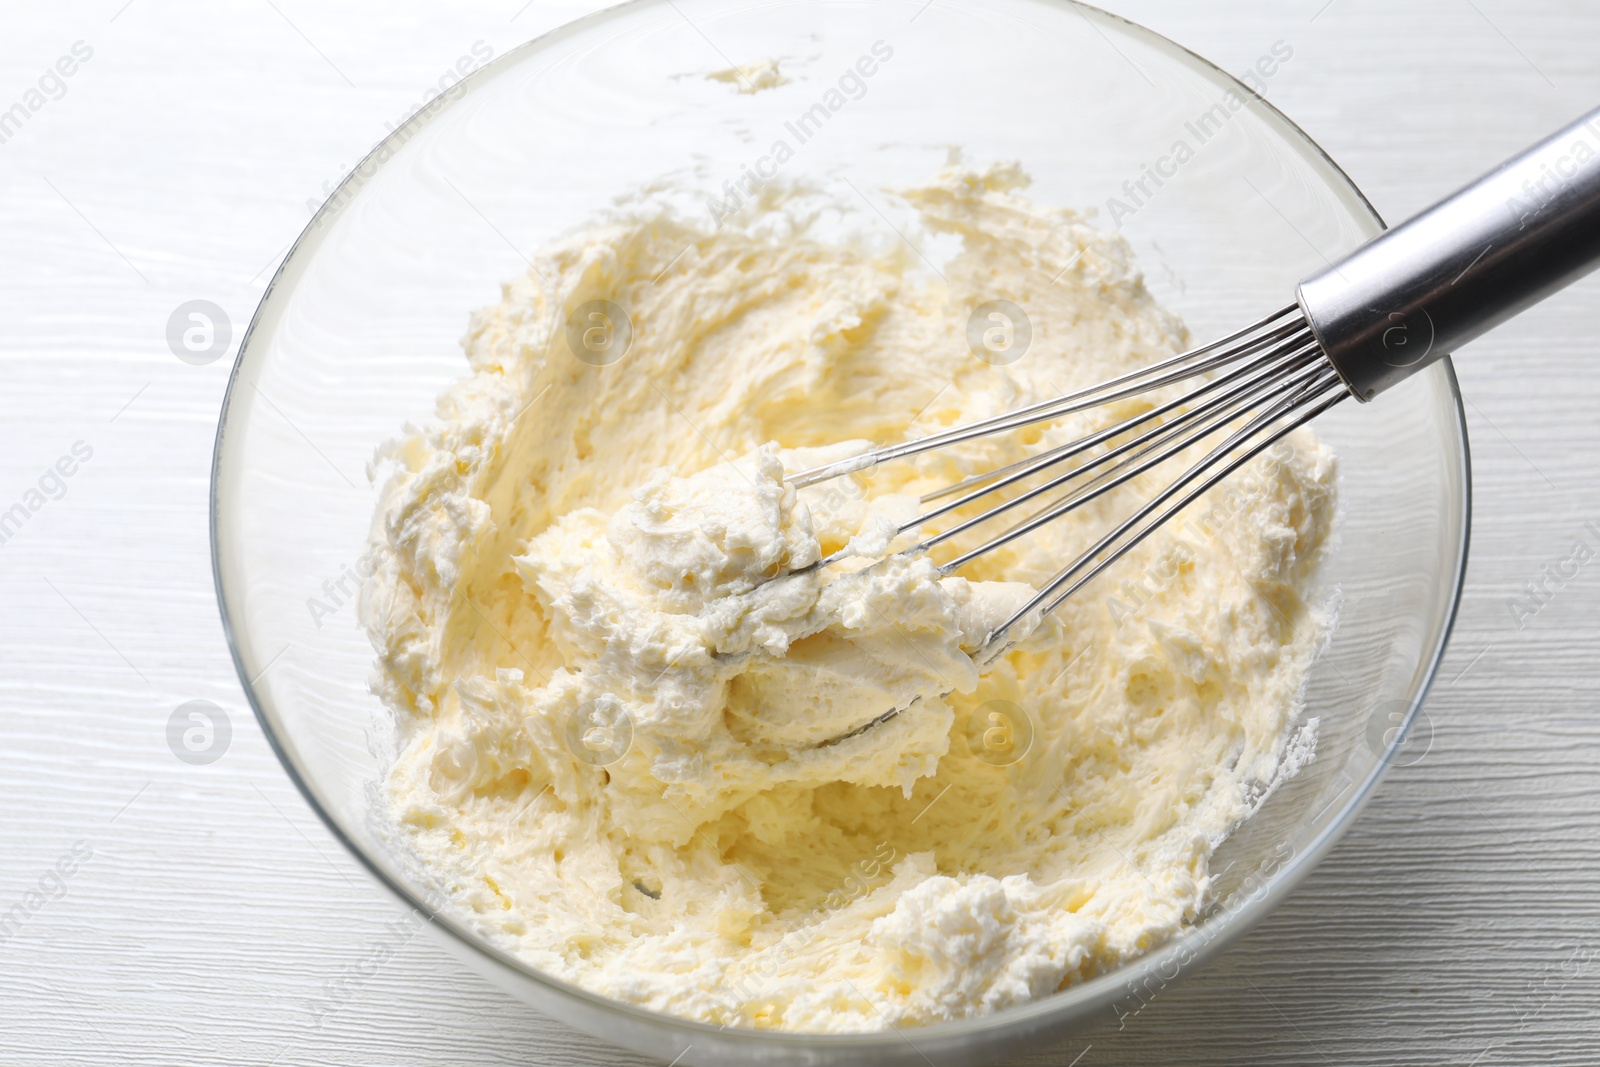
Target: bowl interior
359,333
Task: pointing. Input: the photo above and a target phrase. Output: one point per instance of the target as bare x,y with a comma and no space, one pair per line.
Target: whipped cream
628,747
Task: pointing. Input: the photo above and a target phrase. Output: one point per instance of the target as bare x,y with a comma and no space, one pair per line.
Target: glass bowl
358,333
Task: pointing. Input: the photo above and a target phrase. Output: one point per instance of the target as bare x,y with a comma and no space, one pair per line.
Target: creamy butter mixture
620,713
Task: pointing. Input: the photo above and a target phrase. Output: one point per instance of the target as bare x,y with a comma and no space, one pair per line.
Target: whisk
1367,322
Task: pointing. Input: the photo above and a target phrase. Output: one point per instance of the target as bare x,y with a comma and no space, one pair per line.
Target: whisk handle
1483,254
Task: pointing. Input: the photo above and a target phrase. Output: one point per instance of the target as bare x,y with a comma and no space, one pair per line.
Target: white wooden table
207,915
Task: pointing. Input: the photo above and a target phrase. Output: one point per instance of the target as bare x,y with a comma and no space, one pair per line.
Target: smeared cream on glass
752,77
619,710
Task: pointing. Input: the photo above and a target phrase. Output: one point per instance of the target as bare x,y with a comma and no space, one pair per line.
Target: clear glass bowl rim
1055,1011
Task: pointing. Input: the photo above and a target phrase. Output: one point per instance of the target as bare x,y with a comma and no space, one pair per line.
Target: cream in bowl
626,727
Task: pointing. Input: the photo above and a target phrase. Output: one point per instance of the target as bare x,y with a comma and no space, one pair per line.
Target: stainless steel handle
1495,248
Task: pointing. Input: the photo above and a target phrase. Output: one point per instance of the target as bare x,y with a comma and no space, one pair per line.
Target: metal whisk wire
1305,403
1272,374
1253,338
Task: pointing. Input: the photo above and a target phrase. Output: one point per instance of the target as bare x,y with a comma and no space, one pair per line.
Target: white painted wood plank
1458,922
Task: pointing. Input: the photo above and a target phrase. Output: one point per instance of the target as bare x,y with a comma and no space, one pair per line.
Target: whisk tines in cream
1247,390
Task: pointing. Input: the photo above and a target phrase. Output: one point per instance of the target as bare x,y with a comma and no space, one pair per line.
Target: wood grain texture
1459,922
